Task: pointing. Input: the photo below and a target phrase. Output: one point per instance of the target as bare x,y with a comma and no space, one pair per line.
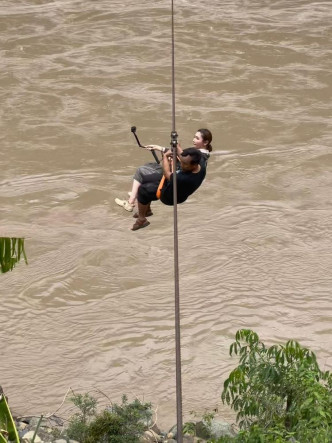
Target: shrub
279,393
107,427
123,423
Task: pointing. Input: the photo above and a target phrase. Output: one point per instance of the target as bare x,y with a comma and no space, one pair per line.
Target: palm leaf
11,251
7,425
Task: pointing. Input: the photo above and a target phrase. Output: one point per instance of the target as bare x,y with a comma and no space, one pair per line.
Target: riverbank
53,430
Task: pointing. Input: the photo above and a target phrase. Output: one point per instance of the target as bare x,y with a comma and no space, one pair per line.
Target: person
189,177
201,141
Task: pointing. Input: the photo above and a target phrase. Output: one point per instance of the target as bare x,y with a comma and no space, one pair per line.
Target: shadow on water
11,252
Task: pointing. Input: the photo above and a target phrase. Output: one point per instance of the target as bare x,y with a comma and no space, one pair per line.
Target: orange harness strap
162,181
161,184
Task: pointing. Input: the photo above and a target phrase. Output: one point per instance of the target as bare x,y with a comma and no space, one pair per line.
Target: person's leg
144,174
146,194
149,212
141,221
134,191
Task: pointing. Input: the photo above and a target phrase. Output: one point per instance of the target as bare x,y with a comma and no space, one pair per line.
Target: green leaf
11,249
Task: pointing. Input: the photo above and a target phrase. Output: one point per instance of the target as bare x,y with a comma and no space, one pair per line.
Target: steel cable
176,255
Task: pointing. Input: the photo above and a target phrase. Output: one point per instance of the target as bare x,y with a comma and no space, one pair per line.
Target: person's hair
195,155
207,137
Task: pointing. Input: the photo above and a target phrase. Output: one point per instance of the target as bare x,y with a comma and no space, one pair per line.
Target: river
94,308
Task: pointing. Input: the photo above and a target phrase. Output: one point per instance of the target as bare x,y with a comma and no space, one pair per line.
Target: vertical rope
174,137
173,72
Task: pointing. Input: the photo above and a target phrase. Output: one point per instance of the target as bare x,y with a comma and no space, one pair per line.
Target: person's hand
168,154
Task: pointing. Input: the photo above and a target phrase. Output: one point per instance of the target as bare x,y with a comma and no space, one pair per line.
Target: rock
220,428
21,426
35,420
61,440
155,429
172,433
202,430
186,439
46,434
150,437
28,437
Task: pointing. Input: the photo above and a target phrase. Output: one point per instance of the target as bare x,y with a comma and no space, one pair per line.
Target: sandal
139,224
125,204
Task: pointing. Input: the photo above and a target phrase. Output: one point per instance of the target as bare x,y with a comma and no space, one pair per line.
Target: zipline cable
174,142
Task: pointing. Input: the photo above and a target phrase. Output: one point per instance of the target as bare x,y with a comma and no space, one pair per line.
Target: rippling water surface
94,308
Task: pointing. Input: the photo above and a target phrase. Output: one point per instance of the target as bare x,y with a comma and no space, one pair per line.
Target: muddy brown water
94,307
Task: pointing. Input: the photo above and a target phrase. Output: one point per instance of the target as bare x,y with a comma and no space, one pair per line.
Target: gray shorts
151,172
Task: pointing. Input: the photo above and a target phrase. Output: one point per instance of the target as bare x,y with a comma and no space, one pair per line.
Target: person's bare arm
179,150
155,148
166,164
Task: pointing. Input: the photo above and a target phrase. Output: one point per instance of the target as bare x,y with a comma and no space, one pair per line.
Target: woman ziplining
189,176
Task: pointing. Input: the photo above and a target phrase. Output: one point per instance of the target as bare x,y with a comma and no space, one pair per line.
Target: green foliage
136,416
208,418
278,393
109,427
8,431
79,422
123,423
202,427
86,404
11,251
189,428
